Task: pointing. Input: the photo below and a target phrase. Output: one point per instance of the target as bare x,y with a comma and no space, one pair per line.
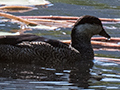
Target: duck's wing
56,43
23,38
13,40
43,42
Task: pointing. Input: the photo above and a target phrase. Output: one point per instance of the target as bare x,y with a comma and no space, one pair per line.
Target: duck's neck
83,44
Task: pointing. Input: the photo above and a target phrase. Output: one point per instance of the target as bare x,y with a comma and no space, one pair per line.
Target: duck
29,48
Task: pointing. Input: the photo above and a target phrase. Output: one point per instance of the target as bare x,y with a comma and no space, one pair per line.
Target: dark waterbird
28,48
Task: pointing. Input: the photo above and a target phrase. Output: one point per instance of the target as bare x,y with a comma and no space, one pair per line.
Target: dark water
96,75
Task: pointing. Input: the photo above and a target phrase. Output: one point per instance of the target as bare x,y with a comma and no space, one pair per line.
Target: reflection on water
85,76
110,75
41,77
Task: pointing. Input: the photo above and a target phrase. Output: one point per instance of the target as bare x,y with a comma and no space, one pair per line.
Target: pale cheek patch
88,28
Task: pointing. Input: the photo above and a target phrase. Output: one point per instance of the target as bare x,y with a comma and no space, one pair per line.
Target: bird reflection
78,74
81,74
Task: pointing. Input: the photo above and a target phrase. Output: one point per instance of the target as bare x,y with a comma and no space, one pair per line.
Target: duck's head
88,26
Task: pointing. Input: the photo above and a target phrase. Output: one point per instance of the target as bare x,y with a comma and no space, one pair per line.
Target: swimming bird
28,48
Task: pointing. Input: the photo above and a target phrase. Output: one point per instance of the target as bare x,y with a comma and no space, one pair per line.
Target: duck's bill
104,33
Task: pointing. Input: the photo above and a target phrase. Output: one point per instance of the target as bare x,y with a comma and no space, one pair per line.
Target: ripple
50,69
2,25
108,70
103,87
110,80
109,64
66,71
111,27
59,74
52,82
111,75
44,87
4,83
112,88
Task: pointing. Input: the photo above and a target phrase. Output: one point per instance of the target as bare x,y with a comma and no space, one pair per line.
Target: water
101,75
97,75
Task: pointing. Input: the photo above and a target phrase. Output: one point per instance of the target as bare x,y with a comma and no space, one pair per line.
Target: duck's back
36,51
14,40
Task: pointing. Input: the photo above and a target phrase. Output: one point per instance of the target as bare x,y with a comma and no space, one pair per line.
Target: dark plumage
29,48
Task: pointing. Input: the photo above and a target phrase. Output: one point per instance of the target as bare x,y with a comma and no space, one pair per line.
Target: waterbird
29,48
